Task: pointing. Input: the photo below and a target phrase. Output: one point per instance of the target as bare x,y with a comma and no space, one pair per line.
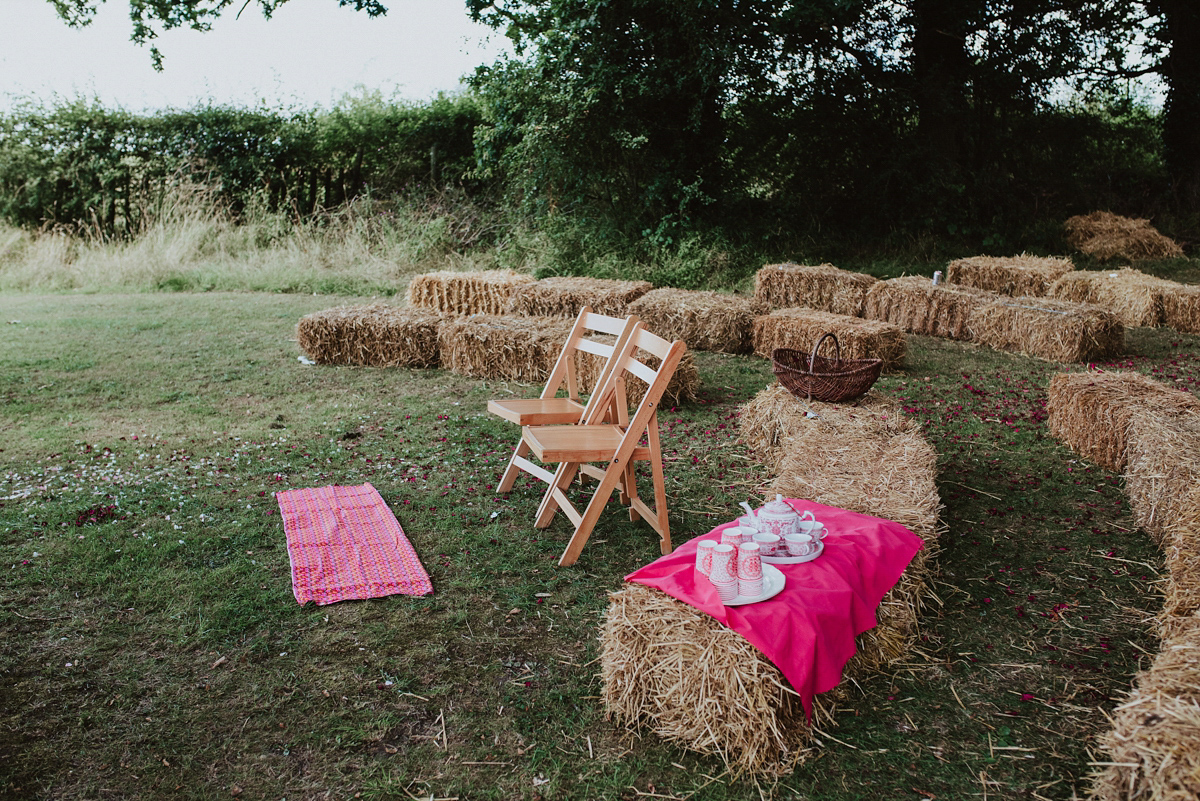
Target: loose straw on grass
857,338
1012,275
451,292
822,287
377,335
1105,235
704,320
917,306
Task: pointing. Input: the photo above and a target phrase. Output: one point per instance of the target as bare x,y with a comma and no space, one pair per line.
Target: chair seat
537,411
581,443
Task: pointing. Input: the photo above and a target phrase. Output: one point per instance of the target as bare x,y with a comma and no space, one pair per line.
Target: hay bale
1012,275
858,338
858,462
1182,559
771,415
1154,744
1163,465
503,348
822,287
704,320
1134,297
1181,308
917,306
376,335
1047,328
565,296
452,292
675,670
1090,412
1105,236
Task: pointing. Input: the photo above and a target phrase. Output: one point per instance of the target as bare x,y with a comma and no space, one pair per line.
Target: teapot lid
779,507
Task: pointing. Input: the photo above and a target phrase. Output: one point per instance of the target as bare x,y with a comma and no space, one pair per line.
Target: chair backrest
590,334
626,365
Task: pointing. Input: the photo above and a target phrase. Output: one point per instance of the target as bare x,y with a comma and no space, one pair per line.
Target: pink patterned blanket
345,544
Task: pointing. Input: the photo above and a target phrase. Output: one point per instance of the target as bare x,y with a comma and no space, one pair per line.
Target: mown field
153,648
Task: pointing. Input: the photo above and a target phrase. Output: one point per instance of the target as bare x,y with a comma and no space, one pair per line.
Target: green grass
153,647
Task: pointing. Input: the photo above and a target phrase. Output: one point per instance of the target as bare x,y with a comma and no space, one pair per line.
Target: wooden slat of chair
548,409
618,445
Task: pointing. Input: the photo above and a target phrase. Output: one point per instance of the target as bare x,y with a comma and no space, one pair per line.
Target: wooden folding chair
616,443
550,409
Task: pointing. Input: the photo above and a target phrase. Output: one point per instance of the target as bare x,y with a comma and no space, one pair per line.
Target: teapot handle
808,515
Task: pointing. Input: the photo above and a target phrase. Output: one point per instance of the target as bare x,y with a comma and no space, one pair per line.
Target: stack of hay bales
450,292
1134,297
1091,412
565,296
503,348
1057,330
377,335
704,320
678,672
823,287
919,307
1154,745
1105,235
857,338
1015,275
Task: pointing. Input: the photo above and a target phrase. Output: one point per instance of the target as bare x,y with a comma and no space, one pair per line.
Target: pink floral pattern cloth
807,630
345,544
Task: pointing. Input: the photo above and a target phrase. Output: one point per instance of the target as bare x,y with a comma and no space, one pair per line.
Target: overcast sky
310,53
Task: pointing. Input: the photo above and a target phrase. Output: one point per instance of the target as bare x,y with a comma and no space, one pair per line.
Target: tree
151,16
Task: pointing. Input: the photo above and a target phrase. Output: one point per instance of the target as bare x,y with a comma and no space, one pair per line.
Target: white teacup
800,544
814,528
768,544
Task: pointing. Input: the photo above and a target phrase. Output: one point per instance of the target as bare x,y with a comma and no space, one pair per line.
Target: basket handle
837,346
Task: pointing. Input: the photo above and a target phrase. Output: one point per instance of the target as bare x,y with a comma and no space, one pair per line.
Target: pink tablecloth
807,630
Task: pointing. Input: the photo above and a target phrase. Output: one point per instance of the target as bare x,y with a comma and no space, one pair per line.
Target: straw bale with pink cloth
680,672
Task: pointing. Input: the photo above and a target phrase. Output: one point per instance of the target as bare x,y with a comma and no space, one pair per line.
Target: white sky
311,53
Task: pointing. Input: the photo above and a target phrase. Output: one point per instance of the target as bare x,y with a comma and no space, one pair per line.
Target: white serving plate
773,582
795,560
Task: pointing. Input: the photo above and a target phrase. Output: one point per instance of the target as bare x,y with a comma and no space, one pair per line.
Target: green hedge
80,165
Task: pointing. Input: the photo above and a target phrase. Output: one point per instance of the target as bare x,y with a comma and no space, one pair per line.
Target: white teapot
779,518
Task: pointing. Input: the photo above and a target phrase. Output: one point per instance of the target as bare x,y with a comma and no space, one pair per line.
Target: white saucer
795,560
773,581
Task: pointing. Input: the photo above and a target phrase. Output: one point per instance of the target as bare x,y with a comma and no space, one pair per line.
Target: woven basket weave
813,377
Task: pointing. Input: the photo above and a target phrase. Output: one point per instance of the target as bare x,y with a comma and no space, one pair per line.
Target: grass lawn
152,646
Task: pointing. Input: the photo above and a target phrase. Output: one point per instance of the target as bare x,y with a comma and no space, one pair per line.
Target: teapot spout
746,506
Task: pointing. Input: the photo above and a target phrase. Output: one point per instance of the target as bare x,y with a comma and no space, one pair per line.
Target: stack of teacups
724,572
749,568
734,535
704,557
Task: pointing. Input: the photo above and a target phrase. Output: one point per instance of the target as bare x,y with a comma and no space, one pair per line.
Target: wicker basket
813,377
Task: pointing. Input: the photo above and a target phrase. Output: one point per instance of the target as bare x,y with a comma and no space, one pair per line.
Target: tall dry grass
195,243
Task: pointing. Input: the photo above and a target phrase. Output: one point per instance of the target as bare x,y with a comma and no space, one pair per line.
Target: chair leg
660,488
590,516
510,474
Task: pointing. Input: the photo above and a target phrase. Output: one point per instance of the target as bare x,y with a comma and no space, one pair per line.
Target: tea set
741,565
